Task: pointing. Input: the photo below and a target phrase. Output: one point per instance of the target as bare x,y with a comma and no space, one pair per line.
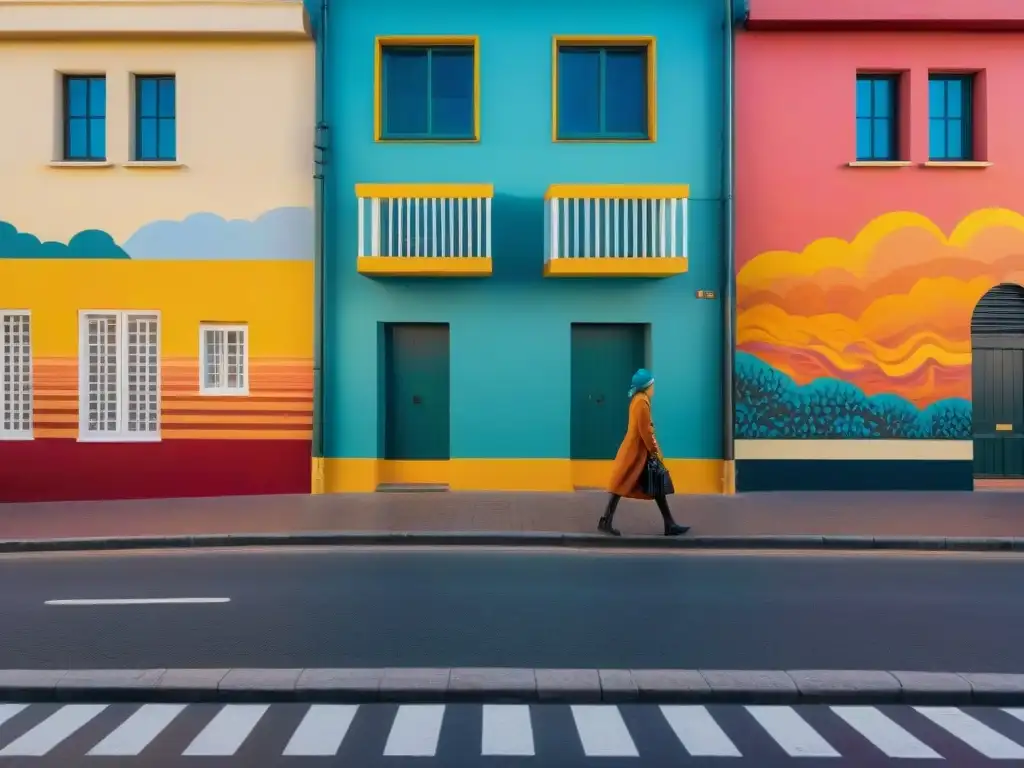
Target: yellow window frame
422,41
608,41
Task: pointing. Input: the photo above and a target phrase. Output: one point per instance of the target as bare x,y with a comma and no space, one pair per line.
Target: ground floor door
604,358
417,364
998,418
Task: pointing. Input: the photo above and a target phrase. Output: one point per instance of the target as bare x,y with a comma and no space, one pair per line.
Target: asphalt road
344,608
548,736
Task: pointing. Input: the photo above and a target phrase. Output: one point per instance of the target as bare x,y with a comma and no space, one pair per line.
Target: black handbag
656,480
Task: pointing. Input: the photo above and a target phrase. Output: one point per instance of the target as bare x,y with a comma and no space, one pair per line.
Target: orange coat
638,443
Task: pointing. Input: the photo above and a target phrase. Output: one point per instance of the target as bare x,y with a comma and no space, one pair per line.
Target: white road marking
52,731
321,731
698,732
145,601
227,731
890,737
791,732
602,731
507,730
973,733
415,731
135,733
7,711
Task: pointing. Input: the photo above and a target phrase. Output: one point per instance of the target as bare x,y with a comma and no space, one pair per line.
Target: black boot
672,528
605,523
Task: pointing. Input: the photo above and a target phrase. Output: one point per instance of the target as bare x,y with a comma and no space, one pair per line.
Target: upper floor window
427,89
155,129
877,117
604,90
950,107
16,373
85,118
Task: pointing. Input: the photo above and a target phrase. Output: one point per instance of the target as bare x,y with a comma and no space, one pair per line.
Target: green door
998,408
604,358
417,418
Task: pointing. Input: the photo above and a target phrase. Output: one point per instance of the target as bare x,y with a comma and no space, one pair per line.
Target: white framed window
15,374
224,356
119,376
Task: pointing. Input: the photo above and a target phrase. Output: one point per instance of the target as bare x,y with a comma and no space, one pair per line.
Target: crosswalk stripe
602,731
698,732
321,731
135,733
7,711
507,730
415,731
1013,711
791,732
973,733
52,731
891,738
227,731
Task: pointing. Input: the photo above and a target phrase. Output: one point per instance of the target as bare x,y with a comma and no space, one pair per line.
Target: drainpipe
319,249
729,239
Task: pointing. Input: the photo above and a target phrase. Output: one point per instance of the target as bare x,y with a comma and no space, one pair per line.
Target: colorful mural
869,338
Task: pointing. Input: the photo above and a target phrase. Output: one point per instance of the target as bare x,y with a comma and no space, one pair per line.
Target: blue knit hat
642,379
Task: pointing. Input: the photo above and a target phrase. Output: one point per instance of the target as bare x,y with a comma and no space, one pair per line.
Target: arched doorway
997,368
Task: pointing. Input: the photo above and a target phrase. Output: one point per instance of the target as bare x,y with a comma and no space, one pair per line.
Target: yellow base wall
538,475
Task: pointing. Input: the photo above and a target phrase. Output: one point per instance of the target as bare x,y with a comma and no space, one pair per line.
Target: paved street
561,609
562,736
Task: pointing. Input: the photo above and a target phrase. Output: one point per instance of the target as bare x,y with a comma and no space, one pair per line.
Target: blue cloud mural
282,234
88,244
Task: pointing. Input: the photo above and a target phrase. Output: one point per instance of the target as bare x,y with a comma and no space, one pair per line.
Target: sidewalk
903,514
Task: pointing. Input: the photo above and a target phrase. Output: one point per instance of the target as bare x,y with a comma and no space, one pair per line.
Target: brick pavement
983,513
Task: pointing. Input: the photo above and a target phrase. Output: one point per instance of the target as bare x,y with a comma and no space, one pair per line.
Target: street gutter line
145,601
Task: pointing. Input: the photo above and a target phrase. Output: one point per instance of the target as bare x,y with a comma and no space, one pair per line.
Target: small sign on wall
705,294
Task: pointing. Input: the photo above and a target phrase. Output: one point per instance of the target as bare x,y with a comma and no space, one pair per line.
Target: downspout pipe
319,247
729,240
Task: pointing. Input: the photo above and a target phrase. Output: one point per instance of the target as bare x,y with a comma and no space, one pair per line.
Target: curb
518,539
447,685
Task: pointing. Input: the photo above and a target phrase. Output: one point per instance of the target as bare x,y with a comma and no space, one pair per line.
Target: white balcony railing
432,221
613,221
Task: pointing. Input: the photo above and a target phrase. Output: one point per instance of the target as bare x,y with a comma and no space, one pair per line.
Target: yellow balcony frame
616,266
424,266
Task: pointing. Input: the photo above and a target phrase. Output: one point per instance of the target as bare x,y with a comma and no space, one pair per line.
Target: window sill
119,438
224,392
426,140
16,437
154,164
880,164
956,164
81,164
605,140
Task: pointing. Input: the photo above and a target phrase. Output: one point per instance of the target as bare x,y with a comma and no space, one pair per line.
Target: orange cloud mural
888,312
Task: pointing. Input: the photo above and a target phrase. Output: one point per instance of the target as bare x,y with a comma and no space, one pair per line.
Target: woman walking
631,460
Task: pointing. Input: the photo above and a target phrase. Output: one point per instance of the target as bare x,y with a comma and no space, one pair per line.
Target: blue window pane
97,138
147,97
954,98
97,97
863,97
77,97
883,97
625,88
864,138
166,147
937,98
936,138
78,141
882,147
451,81
147,138
954,139
405,91
166,105
579,92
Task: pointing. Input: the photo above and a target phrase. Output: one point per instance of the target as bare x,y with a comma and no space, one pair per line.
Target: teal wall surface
510,333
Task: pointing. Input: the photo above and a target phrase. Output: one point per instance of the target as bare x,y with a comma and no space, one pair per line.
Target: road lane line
144,601
135,733
602,731
698,732
973,733
52,731
415,731
227,731
507,730
791,732
889,737
321,731
7,711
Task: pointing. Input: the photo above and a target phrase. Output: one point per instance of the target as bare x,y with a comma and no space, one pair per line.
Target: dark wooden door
998,408
417,415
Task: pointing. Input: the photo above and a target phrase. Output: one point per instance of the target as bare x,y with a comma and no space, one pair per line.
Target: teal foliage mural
88,244
769,404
